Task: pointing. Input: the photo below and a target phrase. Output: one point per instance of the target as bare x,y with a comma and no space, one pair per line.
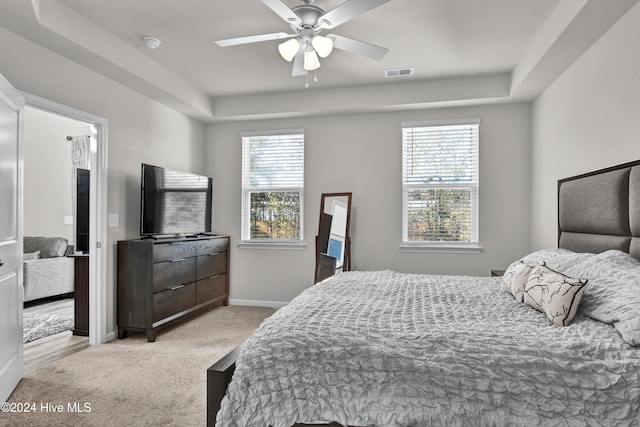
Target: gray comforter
391,349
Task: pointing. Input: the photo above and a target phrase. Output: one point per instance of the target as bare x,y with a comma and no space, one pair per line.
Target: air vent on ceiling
399,72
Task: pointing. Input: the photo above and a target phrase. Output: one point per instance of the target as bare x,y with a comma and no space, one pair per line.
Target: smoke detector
152,42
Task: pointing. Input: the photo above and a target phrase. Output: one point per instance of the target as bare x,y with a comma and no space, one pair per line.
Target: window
440,184
272,186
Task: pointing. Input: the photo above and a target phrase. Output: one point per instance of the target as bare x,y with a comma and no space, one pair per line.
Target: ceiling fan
305,45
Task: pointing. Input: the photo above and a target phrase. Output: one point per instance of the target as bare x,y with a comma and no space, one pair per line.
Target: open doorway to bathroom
56,167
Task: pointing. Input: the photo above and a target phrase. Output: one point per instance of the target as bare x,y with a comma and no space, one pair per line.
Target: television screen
174,202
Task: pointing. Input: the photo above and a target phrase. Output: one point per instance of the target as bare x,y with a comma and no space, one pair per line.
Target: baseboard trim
258,303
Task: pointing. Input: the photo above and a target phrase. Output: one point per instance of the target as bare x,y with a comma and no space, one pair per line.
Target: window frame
269,243
472,246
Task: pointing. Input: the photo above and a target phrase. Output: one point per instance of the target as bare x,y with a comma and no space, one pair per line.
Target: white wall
140,130
586,120
47,173
361,154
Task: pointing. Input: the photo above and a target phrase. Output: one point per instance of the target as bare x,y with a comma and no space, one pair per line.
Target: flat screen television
174,202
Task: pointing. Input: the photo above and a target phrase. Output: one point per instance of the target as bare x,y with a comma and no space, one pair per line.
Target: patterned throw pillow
514,279
554,294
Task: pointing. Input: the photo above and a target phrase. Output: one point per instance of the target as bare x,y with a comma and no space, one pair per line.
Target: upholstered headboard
600,210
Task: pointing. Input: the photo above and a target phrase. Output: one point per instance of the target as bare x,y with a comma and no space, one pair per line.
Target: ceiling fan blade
356,46
253,39
283,11
347,11
298,64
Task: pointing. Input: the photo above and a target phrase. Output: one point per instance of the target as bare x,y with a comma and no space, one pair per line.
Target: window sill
441,248
271,244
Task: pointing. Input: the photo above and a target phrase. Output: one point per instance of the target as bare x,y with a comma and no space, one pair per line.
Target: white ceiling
512,48
437,38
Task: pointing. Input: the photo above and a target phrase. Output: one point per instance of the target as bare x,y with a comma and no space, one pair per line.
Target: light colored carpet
36,325
131,382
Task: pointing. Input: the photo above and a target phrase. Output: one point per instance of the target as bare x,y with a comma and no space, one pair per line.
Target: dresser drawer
173,273
211,265
176,250
172,301
213,287
212,246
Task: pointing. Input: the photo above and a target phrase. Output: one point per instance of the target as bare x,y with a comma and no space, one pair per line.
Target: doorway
55,317
97,208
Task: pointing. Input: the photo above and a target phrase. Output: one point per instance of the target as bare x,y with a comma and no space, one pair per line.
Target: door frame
12,370
97,211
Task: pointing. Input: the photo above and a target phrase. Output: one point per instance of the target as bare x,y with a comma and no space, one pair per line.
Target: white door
11,293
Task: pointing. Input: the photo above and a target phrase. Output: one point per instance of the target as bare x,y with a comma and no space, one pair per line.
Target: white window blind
272,186
440,182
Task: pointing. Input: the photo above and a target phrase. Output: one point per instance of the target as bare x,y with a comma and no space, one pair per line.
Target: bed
392,349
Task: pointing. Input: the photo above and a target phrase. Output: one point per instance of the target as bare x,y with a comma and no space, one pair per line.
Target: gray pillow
557,259
49,247
613,295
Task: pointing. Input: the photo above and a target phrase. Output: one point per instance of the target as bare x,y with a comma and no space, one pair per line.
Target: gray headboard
600,210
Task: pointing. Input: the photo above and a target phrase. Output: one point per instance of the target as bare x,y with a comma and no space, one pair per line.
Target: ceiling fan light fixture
289,49
305,45
322,45
311,61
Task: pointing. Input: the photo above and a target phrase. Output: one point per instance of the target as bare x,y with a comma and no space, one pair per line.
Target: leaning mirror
333,244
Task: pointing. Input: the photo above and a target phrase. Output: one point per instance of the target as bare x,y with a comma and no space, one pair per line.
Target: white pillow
514,279
553,293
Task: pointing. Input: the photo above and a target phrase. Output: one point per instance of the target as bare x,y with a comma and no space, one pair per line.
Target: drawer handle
214,254
176,287
214,277
176,260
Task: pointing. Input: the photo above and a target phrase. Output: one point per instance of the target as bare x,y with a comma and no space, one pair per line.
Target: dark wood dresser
160,281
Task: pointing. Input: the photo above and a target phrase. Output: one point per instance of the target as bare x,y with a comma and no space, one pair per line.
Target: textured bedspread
391,349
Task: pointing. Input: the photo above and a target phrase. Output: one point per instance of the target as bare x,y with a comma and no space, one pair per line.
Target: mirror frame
346,263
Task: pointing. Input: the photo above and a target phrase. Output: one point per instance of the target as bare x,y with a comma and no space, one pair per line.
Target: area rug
36,325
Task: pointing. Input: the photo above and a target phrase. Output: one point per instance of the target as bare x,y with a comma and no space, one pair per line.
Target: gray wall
140,130
361,154
47,173
586,120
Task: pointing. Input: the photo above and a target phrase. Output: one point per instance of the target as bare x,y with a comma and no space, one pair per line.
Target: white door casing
11,290
98,327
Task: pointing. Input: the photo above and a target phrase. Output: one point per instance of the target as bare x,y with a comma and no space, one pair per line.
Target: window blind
272,185
440,182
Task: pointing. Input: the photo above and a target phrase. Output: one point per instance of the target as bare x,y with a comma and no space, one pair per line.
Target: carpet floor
131,382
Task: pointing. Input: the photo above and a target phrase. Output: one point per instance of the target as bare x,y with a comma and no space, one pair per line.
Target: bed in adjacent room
556,341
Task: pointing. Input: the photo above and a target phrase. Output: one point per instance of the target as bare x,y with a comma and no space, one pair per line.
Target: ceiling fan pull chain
306,83
315,76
